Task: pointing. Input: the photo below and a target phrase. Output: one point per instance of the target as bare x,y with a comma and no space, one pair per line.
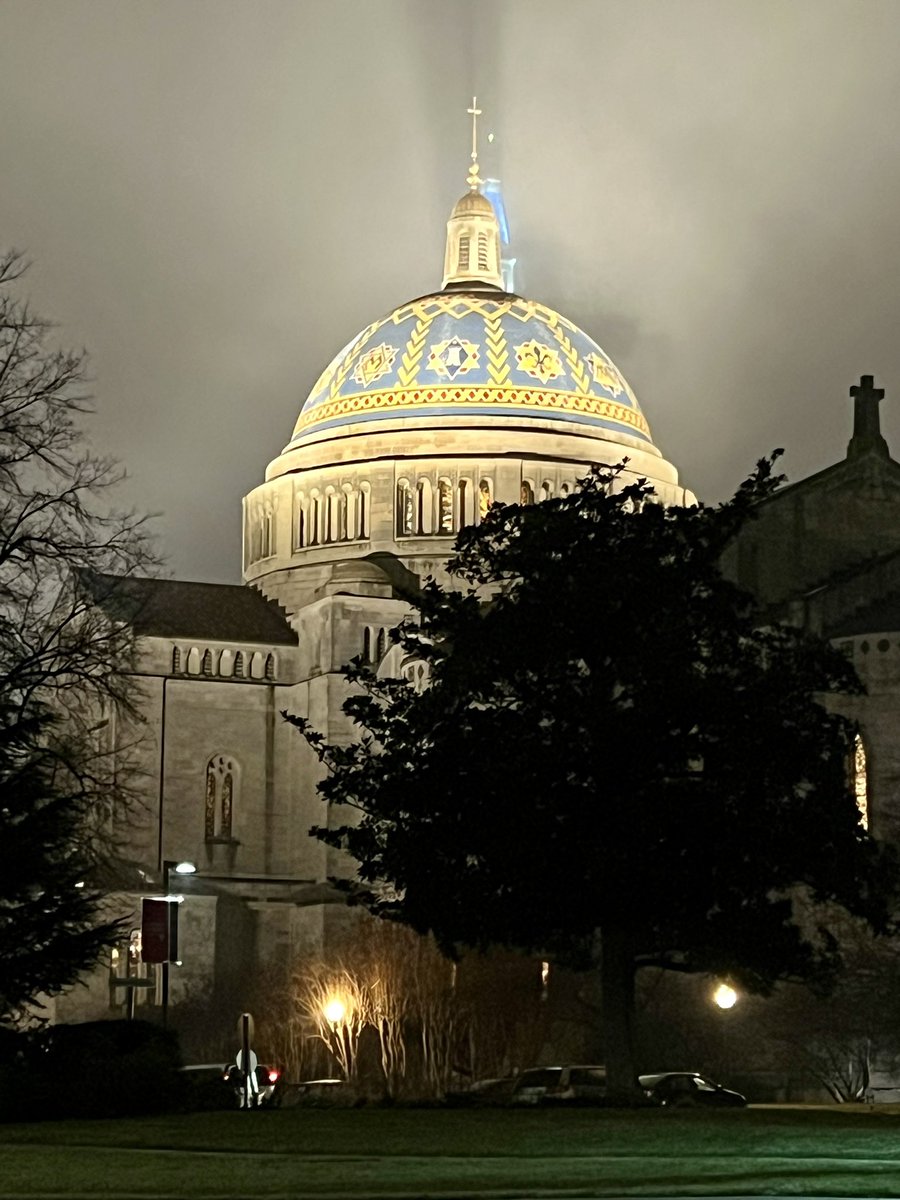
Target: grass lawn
853,1151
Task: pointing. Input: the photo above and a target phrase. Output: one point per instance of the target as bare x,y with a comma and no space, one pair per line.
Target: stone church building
456,399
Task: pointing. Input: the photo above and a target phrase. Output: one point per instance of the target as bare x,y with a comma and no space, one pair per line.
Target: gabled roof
222,612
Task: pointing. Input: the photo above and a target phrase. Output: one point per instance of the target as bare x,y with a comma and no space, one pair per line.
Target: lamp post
180,868
725,997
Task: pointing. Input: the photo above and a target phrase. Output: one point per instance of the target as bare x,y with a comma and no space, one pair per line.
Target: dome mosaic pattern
470,354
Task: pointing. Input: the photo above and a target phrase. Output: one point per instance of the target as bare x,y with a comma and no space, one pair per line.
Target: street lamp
334,1011
179,868
725,996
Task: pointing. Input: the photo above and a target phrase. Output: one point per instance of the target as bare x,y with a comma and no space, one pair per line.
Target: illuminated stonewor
449,402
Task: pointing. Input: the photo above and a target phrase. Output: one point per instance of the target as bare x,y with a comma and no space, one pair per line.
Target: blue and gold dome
473,351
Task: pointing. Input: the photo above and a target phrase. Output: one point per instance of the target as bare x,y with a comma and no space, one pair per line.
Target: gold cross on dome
473,179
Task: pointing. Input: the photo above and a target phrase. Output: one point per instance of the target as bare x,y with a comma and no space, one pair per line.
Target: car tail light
273,1076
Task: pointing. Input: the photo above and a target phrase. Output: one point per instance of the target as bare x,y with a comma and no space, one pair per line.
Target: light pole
172,902
725,997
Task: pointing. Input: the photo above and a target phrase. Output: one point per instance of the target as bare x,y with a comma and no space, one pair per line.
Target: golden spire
473,179
472,254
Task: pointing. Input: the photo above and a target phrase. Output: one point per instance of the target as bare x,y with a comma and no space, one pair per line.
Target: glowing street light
335,1010
725,996
179,868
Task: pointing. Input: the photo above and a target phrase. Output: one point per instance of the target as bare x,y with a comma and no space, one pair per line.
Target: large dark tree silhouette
64,663
613,762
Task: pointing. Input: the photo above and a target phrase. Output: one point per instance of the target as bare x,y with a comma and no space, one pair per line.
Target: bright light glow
185,868
114,955
334,1011
273,1077
80,883
725,996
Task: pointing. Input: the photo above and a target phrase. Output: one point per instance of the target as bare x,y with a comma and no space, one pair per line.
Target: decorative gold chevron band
345,407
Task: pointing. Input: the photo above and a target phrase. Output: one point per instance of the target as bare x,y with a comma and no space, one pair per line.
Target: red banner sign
155,931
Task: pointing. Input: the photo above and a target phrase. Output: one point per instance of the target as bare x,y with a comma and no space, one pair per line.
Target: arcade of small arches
333,514
224,664
425,507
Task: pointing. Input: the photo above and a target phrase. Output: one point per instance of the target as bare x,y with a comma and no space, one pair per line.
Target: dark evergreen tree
614,762
63,661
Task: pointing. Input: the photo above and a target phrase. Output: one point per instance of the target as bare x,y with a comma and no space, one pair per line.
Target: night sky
217,195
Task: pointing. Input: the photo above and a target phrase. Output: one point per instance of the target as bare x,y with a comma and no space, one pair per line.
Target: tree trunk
617,979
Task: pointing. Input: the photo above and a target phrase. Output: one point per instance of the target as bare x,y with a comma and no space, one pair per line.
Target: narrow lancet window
221,793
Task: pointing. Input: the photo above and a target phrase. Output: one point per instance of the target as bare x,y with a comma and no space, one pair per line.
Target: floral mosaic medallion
451,358
374,364
539,361
604,373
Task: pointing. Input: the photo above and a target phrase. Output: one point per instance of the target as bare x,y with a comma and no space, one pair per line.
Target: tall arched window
267,533
404,508
424,507
484,499
300,522
466,506
381,645
315,519
222,777
367,644
526,493
331,516
351,509
363,511
445,506
860,776
546,490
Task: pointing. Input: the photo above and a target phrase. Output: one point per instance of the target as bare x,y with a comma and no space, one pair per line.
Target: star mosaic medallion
452,358
604,373
539,361
374,364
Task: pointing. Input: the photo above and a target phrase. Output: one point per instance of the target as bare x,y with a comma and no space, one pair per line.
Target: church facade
450,402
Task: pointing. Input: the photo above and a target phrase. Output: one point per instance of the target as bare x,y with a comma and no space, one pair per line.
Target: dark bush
96,1069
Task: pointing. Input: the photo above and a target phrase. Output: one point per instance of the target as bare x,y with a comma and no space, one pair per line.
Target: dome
473,202
465,397
477,354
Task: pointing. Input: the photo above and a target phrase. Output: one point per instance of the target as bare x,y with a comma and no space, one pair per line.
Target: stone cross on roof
866,426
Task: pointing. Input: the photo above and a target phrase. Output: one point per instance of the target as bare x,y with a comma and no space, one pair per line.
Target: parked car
689,1089
321,1093
207,1086
555,1085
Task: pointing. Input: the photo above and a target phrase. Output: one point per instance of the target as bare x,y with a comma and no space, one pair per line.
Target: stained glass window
221,792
